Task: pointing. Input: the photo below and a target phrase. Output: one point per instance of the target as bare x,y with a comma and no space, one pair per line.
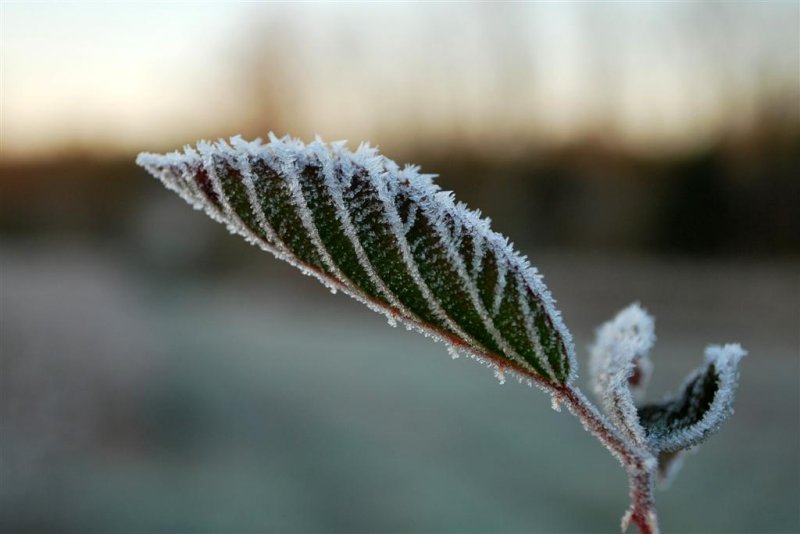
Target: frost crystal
499,375
386,236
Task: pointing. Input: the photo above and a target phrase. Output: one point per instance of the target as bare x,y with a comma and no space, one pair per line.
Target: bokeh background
159,375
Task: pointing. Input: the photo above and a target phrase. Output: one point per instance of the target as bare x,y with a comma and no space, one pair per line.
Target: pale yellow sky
81,72
144,75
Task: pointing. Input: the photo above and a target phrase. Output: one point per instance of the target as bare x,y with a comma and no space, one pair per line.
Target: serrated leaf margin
179,172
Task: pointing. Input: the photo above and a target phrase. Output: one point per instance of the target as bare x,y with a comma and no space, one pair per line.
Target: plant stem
642,511
639,463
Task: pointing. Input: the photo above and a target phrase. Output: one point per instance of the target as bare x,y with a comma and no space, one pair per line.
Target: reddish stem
638,463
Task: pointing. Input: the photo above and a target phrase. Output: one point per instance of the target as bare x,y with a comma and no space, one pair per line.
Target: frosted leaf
703,403
620,368
387,236
622,345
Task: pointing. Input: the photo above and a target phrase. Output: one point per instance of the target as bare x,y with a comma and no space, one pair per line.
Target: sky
82,72
652,76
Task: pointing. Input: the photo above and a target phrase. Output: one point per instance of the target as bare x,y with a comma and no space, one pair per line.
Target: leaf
669,463
386,236
698,410
620,368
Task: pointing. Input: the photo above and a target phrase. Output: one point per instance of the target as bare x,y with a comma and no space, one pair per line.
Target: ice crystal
500,375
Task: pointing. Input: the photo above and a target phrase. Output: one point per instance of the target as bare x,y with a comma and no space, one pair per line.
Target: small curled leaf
620,368
698,410
386,236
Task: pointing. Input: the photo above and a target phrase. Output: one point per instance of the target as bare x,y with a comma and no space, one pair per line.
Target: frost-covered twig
390,238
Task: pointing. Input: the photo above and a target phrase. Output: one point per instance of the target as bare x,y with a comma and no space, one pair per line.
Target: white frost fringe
290,156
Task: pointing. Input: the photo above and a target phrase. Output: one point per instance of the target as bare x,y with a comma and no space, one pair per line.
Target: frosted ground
139,397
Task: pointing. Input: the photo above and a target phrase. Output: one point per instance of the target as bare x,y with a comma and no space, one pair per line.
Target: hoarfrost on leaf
386,236
700,407
620,367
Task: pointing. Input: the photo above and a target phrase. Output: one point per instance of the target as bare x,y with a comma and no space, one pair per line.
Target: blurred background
160,375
